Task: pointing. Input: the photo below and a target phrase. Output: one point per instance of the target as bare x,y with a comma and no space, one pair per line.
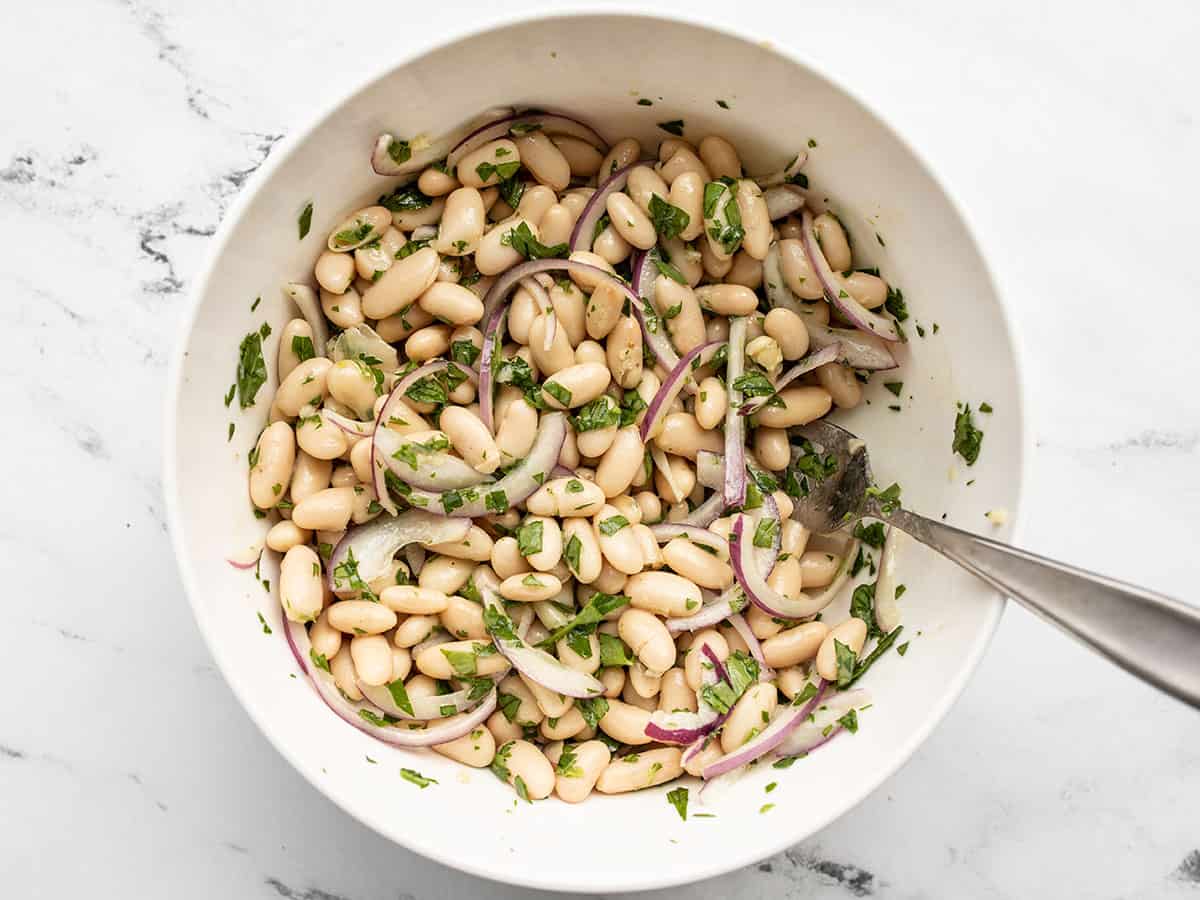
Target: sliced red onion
693,750
561,471
352,427
493,338
835,289
668,531
718,666
887,610
374,544
436,638
785,722
811,733
716,608
754,584
521,481
710,469
437,706
783,200
764,557
301,646
672,385
247,558
309,305
384,163
684,727
706,513
784,175
642,273
362,341
593,211
533,662
735,426
812,361
779,295
859,349
550,123
742,627
436,470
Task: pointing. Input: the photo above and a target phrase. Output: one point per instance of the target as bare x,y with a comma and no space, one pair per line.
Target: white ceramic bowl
877,185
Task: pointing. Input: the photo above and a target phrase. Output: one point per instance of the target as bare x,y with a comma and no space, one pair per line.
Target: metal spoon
1153,636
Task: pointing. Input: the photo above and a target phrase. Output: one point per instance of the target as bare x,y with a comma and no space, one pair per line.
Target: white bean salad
530,464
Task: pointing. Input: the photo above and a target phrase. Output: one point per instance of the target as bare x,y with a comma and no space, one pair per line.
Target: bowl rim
668,876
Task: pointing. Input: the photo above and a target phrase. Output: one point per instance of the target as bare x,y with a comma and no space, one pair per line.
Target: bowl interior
899,219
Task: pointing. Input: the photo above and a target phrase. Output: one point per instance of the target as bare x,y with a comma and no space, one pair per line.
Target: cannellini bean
795,645
344,676
305,384
522,709
682,435
489,164
794,537
521,313
711,400
401,284
613,679
343,310
351,383
573,783
566,497
275,457
301,591
413,630
708,755
451,303
495,254
696,663
445,575
507,560
869,290
582,157
462,223
559,355
535,200
530,587
841,384
697,565
549,702
603,308
786,578
687,193
621,154
309,476
663,593
436,183
547,558
648,638
755,220
624,352
407,598
817,568
629,221
617,540
556,225
684,257
762,624
544,160
789,332
746,271
642,184
463,619
334,271
645,684
361,228
791,681
720,157
476,658
575,385
326,510
677,305
293,335
771,448
581,550
471,438
427,343
834,243
683,479
852,633
801,405
361,617
372,658
285,535
568,303
360,461
516,433
626,723
502,730
524,761
674,693
561,728
646,768
683,160
326,640
400,325
749,716
476,546
477,748
373,259
797,274
727,299
343,476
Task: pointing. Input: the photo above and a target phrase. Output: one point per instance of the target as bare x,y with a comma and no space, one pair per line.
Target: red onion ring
772,736
593,211
322,681
782,200
309,305
811,734
672,386
742,627
374,544
735,427
859,349
551,123
835,291
493,337
383,164
754,585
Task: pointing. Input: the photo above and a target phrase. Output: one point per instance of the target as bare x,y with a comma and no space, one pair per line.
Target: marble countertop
127,769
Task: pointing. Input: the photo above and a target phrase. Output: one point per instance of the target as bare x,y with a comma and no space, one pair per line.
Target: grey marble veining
127,768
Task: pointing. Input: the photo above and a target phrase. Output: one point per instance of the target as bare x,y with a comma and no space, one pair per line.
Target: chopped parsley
598,606
417,778
523,241
847,660
251,367
967,438
511,190
894,386
529,538
984,407
849,721
872,534
765,533
571,552
613,524
862,606
399,151
614,652
265,627
675,127
742,671
304,223
895,304
592,710
669,220
502,171
645,101
464,352
889,497
406,198
558,392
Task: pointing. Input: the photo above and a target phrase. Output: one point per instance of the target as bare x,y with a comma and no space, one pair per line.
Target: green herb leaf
678,798
558,392
614,651
523,241
669,220
499,765
889,497
592,710
847,660
304,222
417,778
598,606
675,127
405,198
571,551
400,695
612,525
862,606
399,151
602,412
968,439
302,347
895,304
742,671
251,368
529,538
764,533
464,352
849,721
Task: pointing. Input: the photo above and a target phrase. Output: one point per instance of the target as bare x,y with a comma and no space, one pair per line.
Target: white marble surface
127,769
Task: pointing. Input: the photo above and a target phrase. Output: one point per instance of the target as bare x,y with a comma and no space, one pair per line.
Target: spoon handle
1151,635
